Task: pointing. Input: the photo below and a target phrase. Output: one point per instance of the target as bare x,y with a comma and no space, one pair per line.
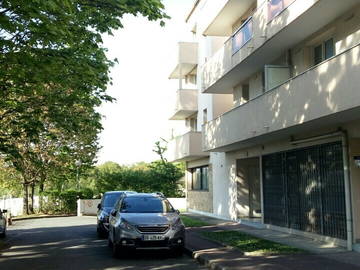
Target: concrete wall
224,186
15,205
186,100
321,91
225,173
87,207
270,40
185,147
200,200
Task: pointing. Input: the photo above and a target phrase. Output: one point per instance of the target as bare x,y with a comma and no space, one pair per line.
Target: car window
145,205
110,199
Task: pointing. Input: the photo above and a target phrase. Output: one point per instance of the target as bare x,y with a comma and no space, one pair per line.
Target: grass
192,222
250,245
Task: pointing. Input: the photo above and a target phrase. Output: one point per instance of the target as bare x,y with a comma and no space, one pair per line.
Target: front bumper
103,226
135,240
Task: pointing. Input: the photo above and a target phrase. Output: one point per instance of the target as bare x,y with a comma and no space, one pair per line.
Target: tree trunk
26,199
32,191
41,198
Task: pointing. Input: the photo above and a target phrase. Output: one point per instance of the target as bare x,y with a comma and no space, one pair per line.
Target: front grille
153,229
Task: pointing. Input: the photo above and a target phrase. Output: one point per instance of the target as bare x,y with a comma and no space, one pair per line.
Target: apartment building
275,137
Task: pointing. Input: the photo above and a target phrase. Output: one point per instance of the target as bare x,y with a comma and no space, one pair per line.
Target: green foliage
64,202
53,75
152,177
192,222
250,244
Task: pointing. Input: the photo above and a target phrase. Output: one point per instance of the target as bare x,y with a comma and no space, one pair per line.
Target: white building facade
270,93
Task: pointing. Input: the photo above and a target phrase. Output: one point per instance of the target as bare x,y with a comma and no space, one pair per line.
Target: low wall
89,207
178,203
14,206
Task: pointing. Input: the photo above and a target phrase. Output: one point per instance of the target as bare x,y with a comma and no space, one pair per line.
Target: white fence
89,207
15,205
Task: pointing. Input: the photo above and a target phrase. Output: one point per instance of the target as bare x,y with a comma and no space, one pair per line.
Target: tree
53,75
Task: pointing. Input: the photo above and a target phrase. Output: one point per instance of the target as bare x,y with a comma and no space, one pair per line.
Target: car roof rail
160,194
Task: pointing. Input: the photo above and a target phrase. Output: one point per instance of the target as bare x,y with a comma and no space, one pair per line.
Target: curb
39,217
203,260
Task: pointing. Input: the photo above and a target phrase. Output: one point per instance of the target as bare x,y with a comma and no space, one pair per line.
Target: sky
145,97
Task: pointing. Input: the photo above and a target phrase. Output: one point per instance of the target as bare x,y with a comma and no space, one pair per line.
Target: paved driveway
71,243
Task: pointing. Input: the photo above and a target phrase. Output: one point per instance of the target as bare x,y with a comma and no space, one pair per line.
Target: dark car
107,203
3,223
145,221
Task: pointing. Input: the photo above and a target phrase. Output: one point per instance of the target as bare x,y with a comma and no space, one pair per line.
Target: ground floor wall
199,200
226,200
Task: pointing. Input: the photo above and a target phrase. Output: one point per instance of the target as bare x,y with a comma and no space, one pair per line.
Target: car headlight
126,226
104,217
177,224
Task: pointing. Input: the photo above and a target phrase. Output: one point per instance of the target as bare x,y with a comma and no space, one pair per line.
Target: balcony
186,147
187,60
273,30
222,15
186,104
325,95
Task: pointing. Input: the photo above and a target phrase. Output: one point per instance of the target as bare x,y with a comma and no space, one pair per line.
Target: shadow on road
77,247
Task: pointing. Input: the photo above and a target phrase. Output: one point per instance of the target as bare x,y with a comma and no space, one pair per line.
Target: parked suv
107,203
2,223
145,221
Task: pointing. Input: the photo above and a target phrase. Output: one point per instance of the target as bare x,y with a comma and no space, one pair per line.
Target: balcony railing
323,95
272,29
242,36
186,147
275,7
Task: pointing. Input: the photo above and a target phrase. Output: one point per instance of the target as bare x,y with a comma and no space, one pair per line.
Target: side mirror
4,211
177,212
113,212
99,206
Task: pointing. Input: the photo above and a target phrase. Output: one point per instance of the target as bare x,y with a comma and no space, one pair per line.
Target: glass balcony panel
276,6
242,36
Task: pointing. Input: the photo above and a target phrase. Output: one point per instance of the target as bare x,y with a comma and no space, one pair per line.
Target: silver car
3,223
145,221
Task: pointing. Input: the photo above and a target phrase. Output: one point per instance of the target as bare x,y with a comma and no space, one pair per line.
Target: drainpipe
349,225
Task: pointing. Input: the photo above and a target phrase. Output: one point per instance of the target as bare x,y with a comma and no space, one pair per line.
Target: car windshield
110,199
145,205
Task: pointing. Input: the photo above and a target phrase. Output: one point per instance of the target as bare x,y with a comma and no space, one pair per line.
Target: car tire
110,244
116,251
178,251
101,233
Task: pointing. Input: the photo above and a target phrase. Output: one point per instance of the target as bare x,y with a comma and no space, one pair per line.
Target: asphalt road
71,243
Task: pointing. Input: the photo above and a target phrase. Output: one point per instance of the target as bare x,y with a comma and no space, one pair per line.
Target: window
193,124
245,92
205,118
145,205
318,54
329,48
324,51
199,178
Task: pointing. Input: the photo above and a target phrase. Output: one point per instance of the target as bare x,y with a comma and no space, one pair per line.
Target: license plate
153,237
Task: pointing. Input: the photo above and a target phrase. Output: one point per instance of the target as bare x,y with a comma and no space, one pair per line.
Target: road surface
71,243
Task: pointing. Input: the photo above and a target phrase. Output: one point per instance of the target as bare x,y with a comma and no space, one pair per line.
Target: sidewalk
217,256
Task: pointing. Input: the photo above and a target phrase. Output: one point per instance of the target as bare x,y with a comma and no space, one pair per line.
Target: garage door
304,190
